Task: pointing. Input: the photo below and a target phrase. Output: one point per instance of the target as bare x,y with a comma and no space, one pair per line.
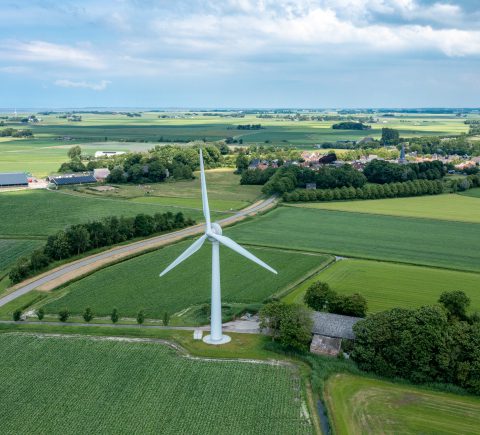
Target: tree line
81,238
12,132
369,191
431,344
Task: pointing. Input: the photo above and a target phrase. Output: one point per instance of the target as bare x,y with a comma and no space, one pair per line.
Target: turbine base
208,339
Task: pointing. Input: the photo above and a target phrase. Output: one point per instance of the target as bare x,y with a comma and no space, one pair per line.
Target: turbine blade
206,208
234,246
189,251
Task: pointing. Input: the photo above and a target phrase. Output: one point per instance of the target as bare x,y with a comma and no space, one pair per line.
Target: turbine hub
216,229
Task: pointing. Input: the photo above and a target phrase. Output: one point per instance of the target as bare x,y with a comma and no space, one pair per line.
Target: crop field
390,285
11,249
42,212
430,242
131,386
363,405
447,207
134,284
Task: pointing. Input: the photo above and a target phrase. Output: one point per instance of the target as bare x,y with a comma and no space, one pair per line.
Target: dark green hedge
369,191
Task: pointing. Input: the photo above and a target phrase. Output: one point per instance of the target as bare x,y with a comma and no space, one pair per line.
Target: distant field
44,154
448,207
369,406
12,249
390,285
393,238
98,127
60,385
475,193
135,284
43,212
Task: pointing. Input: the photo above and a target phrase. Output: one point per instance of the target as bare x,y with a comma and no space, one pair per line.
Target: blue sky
240,53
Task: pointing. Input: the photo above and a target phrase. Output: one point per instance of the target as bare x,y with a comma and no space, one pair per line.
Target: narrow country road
240,326
65,273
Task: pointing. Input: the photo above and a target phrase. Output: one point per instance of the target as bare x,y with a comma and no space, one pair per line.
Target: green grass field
42,212
419,241
447,207
12,249
73,385
359,405
390,285
224,192
42,156
134,284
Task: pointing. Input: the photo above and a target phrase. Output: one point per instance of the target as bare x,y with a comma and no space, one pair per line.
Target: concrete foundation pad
208,339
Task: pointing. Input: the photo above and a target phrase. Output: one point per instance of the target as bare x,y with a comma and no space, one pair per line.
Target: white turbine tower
213,232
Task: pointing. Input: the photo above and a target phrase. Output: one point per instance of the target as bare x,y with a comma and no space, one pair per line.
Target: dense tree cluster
287,178
351,125
152,166
257,176
369,191
12,132
435,145
390,136
320,297
427,344
80,238
289,324
249,127
380,171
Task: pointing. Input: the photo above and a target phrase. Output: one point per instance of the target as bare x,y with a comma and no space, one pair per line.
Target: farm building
99,154
329,330
13,179
101,174
67,179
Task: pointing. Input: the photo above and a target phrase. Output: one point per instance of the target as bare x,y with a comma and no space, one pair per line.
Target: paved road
132,247
240,326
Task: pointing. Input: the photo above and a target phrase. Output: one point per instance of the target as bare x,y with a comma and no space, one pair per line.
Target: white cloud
100,86
314,27
47,52
14,69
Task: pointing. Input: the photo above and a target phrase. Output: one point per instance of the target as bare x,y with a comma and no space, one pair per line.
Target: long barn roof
13,179
334,325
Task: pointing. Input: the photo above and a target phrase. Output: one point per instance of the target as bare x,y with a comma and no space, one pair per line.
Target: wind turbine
213,232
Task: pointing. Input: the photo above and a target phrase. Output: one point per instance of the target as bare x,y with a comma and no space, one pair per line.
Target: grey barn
13,179
329,330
